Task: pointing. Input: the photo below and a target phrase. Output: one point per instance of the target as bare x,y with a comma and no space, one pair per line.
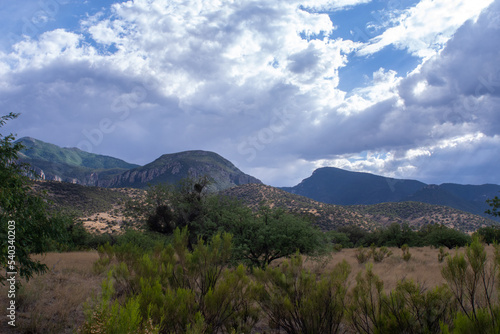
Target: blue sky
406,89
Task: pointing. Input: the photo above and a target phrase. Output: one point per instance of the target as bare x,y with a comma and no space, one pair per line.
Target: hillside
337,186
418,214
330,216
72,165
327,216
171,168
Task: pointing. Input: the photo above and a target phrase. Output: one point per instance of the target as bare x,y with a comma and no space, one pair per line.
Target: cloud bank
258,82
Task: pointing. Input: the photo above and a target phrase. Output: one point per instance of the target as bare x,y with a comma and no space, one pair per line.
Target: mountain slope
171,168
337,186
369,217
69,164
75,166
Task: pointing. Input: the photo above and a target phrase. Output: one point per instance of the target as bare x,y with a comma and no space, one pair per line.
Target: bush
406,252
442,254
440,235
178,289
380,254
362,254
472,282
365,310
297,301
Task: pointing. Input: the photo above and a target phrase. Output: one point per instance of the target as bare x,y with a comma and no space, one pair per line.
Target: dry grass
423,267
53,302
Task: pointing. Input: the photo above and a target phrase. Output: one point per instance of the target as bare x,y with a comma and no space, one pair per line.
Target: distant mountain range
72,165
327,185
337,186
368,217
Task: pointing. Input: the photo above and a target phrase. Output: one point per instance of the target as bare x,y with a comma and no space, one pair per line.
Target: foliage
339,238
442,254
177,288
495,206
440,235
23,213
259,238
166,208
489,234
109,317
472,282
362,254
271,234
406,252
297,301
411,309
365,310
407,309
380,254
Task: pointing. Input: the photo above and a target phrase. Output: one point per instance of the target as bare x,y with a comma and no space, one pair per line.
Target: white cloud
257,81
425,28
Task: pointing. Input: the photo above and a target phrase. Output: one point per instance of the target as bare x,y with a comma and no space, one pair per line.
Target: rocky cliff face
174,167
53,163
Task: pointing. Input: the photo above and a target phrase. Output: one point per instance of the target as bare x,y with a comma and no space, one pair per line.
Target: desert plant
409,308
176,288
406,252
472,282
366,307
380,254
297,301
362,254
442,254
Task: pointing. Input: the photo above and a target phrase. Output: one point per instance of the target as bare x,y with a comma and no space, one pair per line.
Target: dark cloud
240,80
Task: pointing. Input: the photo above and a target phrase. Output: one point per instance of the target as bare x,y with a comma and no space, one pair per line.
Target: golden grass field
53,302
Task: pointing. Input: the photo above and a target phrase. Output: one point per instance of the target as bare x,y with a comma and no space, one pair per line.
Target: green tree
167,207
271,234
25,227
495,206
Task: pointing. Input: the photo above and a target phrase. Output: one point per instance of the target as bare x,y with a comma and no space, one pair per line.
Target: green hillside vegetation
172,168
418,214
368,217
50,153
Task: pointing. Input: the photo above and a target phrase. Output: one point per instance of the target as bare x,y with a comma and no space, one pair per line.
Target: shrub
362,255
365,310
298,301
442,254
472,282
178,289
380,254
406,252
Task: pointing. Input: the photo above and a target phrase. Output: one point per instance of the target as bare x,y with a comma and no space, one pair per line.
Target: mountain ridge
368,217
337,186
72,165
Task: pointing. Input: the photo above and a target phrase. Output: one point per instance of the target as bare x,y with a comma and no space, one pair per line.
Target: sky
399,88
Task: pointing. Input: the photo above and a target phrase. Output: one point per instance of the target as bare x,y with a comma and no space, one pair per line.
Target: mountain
369,217
337,186
171,168
72,165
